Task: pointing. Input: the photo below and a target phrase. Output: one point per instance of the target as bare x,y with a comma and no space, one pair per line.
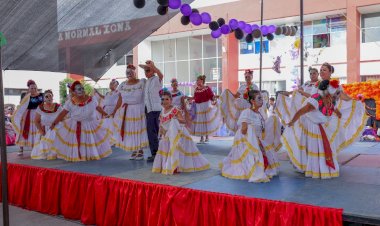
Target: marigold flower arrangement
365,90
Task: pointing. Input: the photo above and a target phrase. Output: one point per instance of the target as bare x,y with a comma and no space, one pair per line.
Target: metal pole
3,146
261,44
301,43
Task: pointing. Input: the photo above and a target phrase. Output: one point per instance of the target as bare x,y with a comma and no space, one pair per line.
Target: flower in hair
334,83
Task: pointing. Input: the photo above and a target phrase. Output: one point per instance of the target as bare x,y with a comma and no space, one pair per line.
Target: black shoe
151,158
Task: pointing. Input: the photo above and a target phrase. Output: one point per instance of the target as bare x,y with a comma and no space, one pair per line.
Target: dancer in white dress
81,137
112,101
253,156
307,88
46,113
177,95
23,118
177,151
130,119
207,114
233,104
315,135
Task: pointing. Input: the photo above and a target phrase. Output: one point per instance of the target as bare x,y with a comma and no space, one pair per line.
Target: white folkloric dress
130,119
177,99
82,136
108,104
177,149
253,156
23,121
232,107
310,87
304,141
207,116
43,149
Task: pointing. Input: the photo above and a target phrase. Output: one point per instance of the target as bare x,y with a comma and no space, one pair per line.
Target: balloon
162,10
288,31
216,33
174,4
213,25
196,19
264,30
233,24
270,36
255,26
139,3
297,43
186,10
206,18
293,31
278,31
225,29
242,24
271,29
248,29
221,22
239,34
185,20
195,11
256,33
163,2
249,38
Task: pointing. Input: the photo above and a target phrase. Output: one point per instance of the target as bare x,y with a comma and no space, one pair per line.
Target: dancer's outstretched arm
307,108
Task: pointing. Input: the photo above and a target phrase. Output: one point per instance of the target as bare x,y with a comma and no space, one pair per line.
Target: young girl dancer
177,151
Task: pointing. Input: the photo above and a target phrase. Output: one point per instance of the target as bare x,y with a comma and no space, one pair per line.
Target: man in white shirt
152,102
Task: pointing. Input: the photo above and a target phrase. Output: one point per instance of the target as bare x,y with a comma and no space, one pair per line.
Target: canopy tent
83,37
74,36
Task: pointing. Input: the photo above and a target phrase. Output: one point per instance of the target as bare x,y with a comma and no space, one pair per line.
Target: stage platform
357,190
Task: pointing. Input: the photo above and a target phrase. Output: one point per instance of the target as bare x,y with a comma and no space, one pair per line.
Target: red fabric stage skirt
111,201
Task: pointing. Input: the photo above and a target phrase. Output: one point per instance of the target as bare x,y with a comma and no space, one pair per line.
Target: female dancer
308,87
131,118
23,118
111,102
177,151
253,156
233,104
10,134
46,113
315,135
207,115
177,95
81,137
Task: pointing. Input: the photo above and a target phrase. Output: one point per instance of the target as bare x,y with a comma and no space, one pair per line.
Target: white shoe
140,155
133,156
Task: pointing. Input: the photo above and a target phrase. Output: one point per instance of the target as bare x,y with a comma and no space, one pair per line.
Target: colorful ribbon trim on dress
25,131
327,148
123,122
266,163
78,134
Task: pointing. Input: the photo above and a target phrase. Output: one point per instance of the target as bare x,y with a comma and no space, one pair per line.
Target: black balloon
139,3
221,22
278,31
270,37
163,2
162,10
185,20
213,25
256,33
195,11
239,34
249,38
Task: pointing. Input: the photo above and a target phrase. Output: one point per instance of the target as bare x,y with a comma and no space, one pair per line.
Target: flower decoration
162,91
334,83
323,85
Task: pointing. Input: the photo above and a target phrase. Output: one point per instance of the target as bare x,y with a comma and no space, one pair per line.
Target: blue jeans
152,125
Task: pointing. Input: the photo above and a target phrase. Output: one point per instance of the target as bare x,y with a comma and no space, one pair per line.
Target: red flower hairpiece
334,83
249,71
130,66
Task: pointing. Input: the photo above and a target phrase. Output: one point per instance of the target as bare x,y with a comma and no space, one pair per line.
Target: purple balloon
264,30
186,10
248,29
255,27
216,33
225,29
233,24
206,18
174,4
196,19
271,29
242,25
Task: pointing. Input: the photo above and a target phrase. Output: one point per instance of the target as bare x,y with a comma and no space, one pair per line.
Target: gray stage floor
357,190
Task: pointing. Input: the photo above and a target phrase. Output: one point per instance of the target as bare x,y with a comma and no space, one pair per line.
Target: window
321,40
371,27
188,57
246,48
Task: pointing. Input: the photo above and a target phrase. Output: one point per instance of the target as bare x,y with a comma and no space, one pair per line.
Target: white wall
44,80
